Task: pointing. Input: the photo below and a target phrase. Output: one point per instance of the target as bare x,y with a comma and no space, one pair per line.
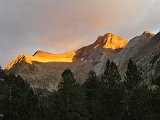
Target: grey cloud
64,25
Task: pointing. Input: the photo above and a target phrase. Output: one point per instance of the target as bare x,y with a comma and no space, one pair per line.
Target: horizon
28,26
32,55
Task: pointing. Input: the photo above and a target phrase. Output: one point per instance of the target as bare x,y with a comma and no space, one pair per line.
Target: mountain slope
44,69
145,51
135,48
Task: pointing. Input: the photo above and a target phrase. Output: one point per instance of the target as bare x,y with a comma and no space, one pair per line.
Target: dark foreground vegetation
100,98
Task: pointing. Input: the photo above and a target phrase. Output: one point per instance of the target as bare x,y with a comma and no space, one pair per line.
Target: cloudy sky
60,26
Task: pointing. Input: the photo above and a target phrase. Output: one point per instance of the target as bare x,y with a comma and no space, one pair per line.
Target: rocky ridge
44,69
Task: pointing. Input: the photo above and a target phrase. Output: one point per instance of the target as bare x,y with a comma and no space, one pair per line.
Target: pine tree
112,91
66,89
18,101
2,74
154,105
1,70
91,87
68,100
133,76
136,99
155,99
156,81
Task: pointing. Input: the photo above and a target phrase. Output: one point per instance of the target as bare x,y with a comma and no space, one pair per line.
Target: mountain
43,70
145,51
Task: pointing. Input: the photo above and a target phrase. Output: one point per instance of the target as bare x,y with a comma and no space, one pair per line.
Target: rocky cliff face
145,51
136,48
44,69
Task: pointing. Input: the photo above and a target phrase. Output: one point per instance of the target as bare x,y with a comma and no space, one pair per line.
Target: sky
60,26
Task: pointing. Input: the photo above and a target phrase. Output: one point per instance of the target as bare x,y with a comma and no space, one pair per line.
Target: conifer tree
2,74
156,81
113,91
68,100
133,76
91,87
1,70
155,99
19,101
136,99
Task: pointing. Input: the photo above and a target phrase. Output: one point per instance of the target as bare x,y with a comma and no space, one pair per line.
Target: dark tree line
17,99
108,97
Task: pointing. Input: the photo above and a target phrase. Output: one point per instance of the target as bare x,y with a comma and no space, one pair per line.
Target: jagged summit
39,52
158,32
110,41
44,69
157,36
147,32
43,66
43,57
19,59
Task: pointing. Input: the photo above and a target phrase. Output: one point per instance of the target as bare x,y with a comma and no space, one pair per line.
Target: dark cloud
64,25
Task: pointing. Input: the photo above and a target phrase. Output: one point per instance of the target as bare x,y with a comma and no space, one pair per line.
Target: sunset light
79,59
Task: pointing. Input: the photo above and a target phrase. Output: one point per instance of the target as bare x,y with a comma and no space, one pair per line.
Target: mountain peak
157,36
147,33
110,41
19,59
37,52
40,53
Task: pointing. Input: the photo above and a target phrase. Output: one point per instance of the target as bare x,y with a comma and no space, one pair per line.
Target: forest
105,97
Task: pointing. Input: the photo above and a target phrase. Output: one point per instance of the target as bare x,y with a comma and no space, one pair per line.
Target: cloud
64,25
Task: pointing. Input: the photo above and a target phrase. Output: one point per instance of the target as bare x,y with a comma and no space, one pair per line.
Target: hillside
44,69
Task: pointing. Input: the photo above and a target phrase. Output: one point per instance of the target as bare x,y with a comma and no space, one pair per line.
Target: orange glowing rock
108,41
41,56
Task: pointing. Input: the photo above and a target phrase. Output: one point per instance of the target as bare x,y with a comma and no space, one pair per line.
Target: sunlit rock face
110,41
21,58
104,47
41,56
43,70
